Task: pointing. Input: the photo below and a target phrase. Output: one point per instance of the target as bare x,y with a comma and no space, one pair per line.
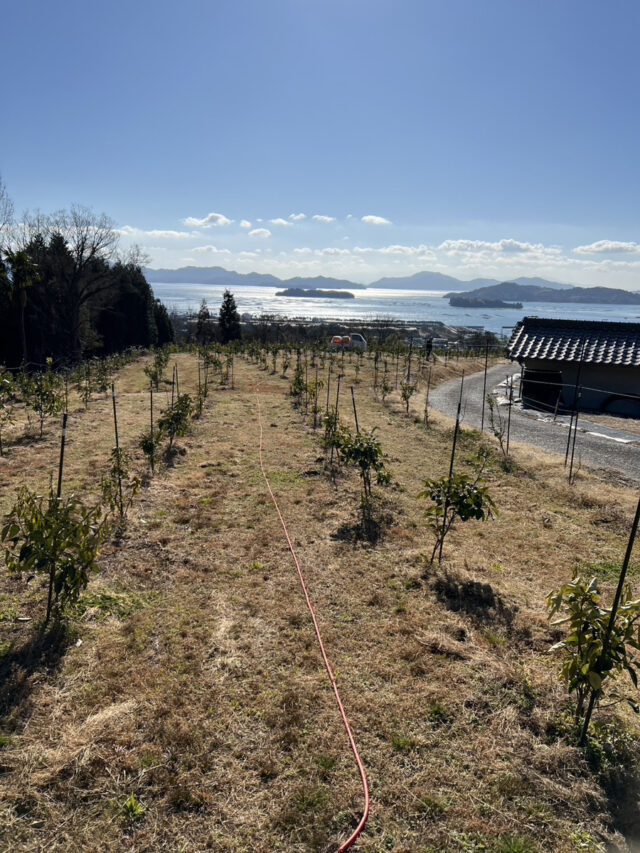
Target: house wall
612,380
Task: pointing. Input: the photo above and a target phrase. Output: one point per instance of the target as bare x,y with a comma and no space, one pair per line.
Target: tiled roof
563,340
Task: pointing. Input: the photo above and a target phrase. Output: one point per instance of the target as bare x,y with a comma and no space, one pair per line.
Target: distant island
519,290
231,279
301,293
472,302
534,293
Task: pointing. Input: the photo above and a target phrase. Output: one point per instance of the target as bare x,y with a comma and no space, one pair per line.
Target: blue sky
475,137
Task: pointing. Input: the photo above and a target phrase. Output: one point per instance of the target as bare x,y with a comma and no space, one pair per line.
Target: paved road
596,446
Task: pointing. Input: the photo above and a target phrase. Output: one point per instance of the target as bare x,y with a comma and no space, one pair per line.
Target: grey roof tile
565,340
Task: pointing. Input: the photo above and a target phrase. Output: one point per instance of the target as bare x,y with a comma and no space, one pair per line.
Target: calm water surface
411,305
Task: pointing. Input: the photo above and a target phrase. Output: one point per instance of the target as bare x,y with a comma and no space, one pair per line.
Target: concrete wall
613,380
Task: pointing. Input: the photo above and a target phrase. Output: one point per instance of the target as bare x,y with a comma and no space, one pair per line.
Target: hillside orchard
177,699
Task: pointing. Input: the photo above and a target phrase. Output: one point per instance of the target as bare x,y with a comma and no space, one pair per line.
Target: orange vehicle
351,341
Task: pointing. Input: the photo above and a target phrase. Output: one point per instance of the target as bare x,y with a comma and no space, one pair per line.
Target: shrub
175,421
157,367
55,537
118,486
7,397
455,497
407,390
594,651
44,393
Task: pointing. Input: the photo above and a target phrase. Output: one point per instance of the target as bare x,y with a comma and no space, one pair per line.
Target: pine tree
203,333
229,319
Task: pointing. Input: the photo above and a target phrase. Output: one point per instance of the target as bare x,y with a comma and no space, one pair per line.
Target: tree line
66,292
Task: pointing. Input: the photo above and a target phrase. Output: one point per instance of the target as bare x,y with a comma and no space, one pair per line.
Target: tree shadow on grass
478,600
41,654
370,526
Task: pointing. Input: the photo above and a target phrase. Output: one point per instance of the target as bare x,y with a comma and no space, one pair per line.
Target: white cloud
506,246
130,231
244,223
297,217
260,232
331,250
280,221
424,252
212,250
249,254
375,220
304,250
605,246
319,218
213,220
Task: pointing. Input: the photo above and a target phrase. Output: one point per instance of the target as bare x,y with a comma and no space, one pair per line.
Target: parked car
348,342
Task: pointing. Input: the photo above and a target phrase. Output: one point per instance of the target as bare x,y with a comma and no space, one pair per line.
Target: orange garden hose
365,787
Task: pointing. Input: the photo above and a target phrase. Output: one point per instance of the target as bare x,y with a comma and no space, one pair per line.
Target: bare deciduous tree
91,241
6,214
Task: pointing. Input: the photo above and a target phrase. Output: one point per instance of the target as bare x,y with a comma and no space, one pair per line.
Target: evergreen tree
203,327
166,334
229,319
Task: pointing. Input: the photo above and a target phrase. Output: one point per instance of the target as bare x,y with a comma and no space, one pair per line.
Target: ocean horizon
377,303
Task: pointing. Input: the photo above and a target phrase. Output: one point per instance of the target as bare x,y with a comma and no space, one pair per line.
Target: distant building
597,363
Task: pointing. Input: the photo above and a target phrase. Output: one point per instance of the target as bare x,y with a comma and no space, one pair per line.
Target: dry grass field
186,708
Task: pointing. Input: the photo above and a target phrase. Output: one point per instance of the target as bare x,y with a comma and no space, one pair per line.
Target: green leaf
594,680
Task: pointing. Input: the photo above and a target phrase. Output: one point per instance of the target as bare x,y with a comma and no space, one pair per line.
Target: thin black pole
152,436
426,399
453,456
355,411
575,400
566,453
484,383
328,387
336,414
338,392
612,617
115,426
509,416
575,435
63,440
52,567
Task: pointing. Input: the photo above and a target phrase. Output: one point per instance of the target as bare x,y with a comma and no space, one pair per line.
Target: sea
377,303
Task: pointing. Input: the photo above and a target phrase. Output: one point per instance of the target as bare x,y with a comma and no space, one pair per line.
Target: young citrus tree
455,497
407,390
175,421
55,537
363,451
7,399
119,487
595,650
44,393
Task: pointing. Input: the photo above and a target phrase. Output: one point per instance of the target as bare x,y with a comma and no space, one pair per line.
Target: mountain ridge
425,280
511,290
